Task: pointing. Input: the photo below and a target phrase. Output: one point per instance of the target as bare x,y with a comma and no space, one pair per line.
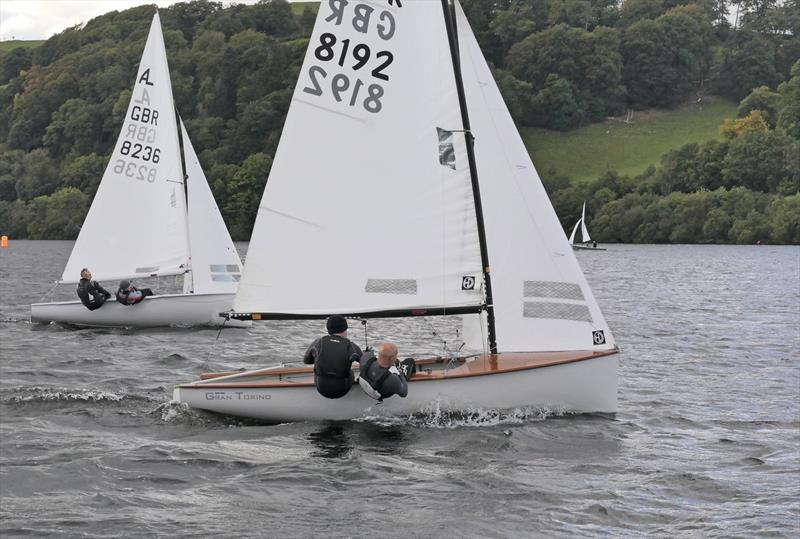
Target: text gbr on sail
362,18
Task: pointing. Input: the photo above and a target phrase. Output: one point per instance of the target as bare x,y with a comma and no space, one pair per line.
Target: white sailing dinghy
140,224
586,240
386,103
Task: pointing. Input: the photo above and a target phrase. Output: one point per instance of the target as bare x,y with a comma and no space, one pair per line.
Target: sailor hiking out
91,293
381,376
127,294
333,356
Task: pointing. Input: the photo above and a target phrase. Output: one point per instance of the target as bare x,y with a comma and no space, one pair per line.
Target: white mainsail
136,226
215,264
369,205
584,230
542,301
574,230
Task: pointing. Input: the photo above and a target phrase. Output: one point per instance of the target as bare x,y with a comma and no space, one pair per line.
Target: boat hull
586,248
588,385
154,311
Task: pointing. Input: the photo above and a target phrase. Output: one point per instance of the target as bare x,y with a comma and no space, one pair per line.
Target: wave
14,320
46,395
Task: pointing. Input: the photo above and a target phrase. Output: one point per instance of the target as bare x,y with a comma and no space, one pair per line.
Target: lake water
706,442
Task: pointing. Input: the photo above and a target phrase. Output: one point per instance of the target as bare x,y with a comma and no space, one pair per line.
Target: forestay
541,298
369,205
215,264
136,225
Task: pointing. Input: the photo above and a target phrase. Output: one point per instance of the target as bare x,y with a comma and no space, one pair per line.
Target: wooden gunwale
486,365
300,370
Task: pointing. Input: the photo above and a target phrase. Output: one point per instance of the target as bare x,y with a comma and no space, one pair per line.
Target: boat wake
180,413
433,416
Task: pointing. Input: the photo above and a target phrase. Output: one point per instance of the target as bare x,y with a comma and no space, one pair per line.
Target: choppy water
706,443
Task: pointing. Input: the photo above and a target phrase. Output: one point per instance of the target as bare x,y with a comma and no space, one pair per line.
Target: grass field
298,7
585,153
6,46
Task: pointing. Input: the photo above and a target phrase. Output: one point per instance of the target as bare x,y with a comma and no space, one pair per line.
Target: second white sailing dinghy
586,242
145,221
388,101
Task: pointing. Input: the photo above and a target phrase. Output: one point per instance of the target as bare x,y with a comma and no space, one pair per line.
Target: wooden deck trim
295,370
489,364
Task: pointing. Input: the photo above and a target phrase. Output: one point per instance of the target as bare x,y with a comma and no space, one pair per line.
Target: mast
452,37
188,276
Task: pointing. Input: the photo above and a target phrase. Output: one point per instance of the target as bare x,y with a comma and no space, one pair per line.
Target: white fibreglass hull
154,311
580,386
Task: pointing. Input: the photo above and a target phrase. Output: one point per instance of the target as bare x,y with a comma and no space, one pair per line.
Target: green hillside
629,148
14,43
298,7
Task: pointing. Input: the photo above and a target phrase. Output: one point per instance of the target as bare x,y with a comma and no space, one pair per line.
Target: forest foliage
559,63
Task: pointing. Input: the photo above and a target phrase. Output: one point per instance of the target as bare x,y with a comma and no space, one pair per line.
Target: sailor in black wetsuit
333,356
92,295
382,374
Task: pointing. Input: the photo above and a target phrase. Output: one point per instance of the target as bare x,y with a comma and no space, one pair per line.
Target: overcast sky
40,19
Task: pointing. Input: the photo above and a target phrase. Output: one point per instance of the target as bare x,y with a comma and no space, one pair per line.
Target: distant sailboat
387,152
146,221
587,242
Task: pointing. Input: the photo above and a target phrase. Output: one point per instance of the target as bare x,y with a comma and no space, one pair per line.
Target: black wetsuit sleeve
312,352
354,352
101,289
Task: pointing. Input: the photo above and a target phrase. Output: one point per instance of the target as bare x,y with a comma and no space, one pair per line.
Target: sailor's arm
396,383
100,289
312,352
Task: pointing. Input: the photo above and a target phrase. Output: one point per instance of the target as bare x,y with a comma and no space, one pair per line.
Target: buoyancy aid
83,292
332,361
372,387
332,367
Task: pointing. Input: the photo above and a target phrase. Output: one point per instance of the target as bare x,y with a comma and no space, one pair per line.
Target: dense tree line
559,63
744,188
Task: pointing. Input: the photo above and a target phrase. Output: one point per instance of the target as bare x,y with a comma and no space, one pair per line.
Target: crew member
127,294
92,295
382,374
333,356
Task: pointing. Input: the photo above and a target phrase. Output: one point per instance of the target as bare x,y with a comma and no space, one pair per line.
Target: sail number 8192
340,88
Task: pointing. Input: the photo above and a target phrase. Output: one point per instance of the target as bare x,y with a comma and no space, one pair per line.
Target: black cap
336,324
123,285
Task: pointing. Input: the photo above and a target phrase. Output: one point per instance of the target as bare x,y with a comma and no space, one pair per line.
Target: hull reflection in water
568,381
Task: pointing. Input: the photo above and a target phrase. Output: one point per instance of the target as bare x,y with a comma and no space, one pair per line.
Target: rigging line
436,333
213,346
450,357
49,293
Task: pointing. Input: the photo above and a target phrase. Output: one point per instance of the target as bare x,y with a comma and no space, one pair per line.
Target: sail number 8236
135,170
145,153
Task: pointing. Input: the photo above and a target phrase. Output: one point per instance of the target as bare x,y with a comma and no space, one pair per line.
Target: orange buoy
4,242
